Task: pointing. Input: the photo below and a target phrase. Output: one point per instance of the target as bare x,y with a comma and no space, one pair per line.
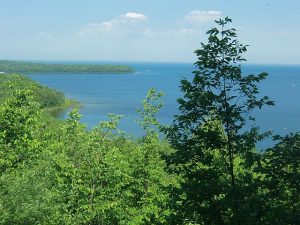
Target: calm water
122,93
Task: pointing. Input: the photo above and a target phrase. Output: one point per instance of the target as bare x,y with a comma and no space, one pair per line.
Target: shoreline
69,103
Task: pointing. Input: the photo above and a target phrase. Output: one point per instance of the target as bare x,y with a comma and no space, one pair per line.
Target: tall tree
215,152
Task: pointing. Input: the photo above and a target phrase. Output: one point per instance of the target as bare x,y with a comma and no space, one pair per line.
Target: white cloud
197,16
131,16
120,24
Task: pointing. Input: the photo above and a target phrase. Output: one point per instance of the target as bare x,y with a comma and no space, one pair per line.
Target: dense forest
202,169
47,98
9,66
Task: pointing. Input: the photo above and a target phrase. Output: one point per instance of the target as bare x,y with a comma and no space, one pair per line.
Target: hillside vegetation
206,170
46,97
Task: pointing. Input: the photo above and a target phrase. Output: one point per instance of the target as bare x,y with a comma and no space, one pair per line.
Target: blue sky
144,30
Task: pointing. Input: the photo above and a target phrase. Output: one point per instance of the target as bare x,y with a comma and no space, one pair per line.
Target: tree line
9,66
205,170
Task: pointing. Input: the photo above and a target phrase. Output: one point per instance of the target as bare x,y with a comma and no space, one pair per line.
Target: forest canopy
46,97
9,66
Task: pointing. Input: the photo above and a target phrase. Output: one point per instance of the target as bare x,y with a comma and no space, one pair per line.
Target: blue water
122,93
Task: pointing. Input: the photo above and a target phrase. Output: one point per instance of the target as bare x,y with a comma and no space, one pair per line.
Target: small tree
215,154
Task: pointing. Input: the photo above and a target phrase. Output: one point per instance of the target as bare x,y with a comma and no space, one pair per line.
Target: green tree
104,176
280,190
215,152
22,196
18,121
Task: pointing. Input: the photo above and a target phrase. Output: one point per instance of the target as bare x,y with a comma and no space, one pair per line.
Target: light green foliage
80,176
151,106
110,179
19,148
18,119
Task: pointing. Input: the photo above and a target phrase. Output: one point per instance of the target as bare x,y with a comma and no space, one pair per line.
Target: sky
144,30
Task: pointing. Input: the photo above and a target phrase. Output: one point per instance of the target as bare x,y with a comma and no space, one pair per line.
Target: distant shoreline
11,66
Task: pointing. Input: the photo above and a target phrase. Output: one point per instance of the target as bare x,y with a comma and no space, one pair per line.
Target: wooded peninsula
47,98
10,66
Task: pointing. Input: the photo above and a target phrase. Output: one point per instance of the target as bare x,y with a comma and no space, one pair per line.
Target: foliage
8,66
77,176
18,118
281,188
46,97
215,154
207,172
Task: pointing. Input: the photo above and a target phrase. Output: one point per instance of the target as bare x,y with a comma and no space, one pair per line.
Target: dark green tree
215,152
280,189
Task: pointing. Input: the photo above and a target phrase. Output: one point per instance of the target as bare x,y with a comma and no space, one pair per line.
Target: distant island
10,66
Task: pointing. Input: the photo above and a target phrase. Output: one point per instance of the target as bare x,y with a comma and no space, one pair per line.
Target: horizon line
141,61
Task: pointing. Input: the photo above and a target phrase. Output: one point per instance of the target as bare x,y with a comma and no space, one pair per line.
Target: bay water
100,94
